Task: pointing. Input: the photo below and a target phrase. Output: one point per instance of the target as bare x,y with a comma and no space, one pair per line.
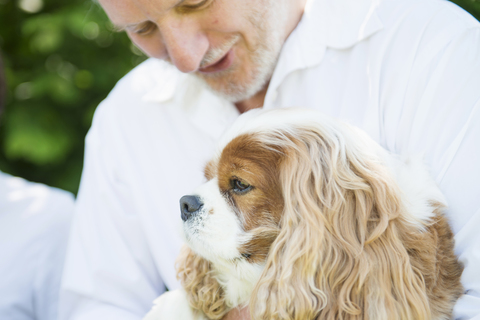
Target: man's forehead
123,13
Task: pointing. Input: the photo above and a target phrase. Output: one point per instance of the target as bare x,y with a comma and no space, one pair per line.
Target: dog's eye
239,186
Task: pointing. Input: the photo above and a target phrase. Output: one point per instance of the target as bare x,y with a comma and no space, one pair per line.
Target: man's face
233,45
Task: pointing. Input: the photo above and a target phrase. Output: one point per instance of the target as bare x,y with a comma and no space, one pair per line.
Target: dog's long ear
339,254
203,290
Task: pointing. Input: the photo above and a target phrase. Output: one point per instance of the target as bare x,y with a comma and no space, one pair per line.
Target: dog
304,217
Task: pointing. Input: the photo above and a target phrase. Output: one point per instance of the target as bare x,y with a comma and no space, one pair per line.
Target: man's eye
239,186
145,29
195,5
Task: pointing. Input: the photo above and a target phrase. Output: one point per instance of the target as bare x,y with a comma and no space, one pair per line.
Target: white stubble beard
263,58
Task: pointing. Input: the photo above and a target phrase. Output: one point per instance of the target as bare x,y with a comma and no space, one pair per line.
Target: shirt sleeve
460,181
109,271
441,119
51,248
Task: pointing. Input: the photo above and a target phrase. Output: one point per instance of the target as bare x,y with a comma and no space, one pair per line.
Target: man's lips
224,63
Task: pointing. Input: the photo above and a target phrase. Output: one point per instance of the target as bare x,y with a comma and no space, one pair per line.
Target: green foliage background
60,62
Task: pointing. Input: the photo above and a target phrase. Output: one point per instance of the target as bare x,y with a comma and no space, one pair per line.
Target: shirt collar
340,24
337,24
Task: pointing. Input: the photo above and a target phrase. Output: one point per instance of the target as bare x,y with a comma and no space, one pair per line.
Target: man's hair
3,85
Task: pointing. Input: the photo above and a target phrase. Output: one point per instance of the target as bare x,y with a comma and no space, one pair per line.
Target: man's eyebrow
179,3
118,28
123,27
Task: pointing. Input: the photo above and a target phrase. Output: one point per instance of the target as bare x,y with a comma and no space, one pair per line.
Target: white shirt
34,225
405,71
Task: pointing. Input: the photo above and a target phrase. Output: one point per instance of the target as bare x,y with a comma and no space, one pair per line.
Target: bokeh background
61,59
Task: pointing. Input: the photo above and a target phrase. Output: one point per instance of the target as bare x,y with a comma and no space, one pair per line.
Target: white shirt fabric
34,225
405,71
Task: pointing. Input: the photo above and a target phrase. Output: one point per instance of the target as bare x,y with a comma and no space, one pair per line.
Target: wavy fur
198,280
346,248
342,249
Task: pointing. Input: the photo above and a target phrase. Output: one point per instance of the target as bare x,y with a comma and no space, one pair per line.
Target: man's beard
237,84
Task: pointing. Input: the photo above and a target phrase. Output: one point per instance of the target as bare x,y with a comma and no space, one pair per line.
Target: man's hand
238,314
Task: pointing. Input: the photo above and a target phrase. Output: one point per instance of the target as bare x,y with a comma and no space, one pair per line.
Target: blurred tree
61,59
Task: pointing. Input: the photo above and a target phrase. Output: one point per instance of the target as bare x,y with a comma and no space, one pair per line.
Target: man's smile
221,64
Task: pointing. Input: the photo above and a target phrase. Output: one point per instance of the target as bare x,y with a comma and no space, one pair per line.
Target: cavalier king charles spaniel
304,217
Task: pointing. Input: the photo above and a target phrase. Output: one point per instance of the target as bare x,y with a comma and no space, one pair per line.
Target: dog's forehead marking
248,158
259,121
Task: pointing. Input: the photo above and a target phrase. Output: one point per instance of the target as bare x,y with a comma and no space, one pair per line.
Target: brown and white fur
304,217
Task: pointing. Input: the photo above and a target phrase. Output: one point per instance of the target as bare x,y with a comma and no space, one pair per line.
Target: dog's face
237,214
227,218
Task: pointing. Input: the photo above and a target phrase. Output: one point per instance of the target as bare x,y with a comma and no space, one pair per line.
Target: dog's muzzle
190,206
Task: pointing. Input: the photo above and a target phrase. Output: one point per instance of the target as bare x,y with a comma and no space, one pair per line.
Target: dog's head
293,200
235,216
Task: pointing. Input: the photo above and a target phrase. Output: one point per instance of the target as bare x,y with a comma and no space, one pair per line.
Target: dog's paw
173,305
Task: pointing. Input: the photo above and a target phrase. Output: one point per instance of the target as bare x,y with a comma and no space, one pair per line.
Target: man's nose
190,206
185,44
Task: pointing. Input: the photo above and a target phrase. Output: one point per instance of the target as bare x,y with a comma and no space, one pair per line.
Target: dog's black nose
189,206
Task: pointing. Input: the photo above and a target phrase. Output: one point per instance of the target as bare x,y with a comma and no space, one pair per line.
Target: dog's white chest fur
419,190
173,305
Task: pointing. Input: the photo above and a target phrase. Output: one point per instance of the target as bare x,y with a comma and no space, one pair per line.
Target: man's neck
258,99
252,103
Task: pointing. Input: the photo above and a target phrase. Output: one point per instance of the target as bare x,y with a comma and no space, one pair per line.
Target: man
34,225
405,71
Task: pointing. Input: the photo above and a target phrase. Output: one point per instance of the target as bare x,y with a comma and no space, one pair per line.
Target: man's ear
204,293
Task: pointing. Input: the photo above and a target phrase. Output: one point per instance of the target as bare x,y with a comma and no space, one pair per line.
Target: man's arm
109,272
461,185
52,243
441,118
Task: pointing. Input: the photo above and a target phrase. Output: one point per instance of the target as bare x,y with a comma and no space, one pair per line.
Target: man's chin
242,81
230,90
232,95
